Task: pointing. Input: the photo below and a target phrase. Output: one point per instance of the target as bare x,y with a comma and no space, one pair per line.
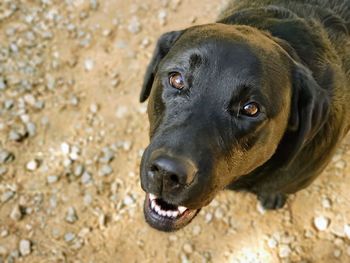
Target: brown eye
176,80
250,109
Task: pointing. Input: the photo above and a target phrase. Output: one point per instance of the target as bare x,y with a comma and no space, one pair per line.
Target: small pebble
2,84
69,237
51,179
65,148
347,230
93,4
196,230
89,64
25,247
7,195
31,128
105,170
74,153
340,164
71,215
6,157
272,243
188,249
134,25
16,213
102,220
284,251
78,170
93,108
128,200
321,223
121,112
326,202
15,136
32,165
3,170
8,104
145,42
208,217
3,252
86,178
87,199
219,213
337,253
4,233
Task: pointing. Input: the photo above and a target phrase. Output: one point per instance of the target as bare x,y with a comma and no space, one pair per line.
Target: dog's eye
250,109
176,80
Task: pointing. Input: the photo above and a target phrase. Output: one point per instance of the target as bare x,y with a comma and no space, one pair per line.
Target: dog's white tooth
169,213
153,204
175,213
157,208
182,209
162,213
152,197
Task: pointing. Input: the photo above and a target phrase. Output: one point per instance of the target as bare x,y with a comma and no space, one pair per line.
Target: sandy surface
72,133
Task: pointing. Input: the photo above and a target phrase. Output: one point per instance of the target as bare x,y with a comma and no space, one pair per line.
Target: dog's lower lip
166,217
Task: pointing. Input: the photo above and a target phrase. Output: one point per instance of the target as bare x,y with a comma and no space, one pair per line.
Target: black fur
290,57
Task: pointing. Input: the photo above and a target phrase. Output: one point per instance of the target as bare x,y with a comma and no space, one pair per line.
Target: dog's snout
172,172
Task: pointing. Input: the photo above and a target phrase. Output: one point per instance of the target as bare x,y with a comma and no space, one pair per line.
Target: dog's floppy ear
165,42
308,113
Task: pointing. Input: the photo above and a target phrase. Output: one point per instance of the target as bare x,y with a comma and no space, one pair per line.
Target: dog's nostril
154,168
174,178
172,172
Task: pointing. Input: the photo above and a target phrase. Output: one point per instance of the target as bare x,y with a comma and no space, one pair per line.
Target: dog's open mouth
166,217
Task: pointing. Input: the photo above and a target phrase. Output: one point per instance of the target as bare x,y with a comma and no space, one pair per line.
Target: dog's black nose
168,173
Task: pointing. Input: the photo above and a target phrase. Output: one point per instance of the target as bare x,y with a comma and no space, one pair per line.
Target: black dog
257,101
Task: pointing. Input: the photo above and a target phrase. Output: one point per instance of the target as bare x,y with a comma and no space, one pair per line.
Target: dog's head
221,99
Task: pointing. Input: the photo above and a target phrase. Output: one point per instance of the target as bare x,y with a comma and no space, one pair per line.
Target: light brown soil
110,227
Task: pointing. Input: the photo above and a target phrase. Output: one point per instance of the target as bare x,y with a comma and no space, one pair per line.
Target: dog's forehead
229,47
219,54
245,35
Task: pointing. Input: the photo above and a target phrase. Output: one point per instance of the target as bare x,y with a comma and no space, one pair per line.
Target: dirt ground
72,133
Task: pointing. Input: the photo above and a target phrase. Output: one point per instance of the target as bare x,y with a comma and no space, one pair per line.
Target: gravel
3,170
134,26
129,200
71,215
51,179
105,170
347,230
7,195
3,251
196,230
6,156
326,202
86,178
188,248
69,237
321,223
31,128
33,165
284,251
337,253
16,213
89,64
59,92
65,148
2,84
78,170
25,247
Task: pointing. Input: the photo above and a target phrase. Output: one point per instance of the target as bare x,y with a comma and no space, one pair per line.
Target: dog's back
318,30
316,34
